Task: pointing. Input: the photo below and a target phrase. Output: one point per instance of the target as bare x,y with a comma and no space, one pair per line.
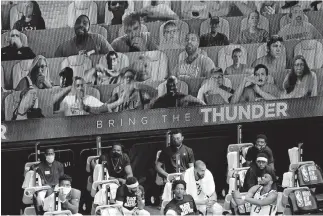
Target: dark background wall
208,143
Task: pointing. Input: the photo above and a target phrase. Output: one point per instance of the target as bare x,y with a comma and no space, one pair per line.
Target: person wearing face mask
260,147
298,28
201,186
173,98
49,171
68,197
117,163
15,50
262,197
131,196
256,172
256,87
84,43
28,106
134,40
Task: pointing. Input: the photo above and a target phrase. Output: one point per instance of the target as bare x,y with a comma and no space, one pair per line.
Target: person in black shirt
173,98
32,18
214,38
117,163
132,198
261,146
181,204
15,50
118,9
176,151
256,172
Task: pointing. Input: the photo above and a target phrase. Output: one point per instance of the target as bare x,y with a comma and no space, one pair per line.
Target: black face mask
116,155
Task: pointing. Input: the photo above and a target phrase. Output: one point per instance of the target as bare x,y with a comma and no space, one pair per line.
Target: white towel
232,158
167,194
293,155
288,179
207,183
101,198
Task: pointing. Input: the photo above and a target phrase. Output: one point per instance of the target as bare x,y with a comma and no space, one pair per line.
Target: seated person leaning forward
173,98
200,185
181,204
256,87
69,198
49,171
262,197
131,196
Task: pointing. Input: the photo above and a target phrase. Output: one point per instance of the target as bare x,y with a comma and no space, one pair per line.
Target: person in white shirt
200,185
171,37
158,11
298,28
78,103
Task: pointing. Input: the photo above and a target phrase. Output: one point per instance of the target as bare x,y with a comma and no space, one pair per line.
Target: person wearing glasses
260,147
49,171
201,186
38,76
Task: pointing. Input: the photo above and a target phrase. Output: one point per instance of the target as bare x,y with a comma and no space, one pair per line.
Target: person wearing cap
214,90
256,87
260,147
299,29
84,43
214,38
237,67
131,196
256,172
274,60
182,203
173,98
195,65
253,34
262,197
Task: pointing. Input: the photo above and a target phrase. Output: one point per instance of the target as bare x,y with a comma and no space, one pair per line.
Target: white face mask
66,190
50,158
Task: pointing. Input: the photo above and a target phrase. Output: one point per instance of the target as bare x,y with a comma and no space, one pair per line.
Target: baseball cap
289,4
216,70
215,20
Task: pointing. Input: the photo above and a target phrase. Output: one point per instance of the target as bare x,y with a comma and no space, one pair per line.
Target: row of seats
99,12
164,62
104,92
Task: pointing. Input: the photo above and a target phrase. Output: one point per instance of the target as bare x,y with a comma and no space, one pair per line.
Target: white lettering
132,121
270,110
164,116
121,122
218,114
260,109
3,132
98,124
235,113
187,117
206,112
144,120
111,122
175,118
281,109
244,112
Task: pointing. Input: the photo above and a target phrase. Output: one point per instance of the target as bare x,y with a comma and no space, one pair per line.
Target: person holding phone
256,87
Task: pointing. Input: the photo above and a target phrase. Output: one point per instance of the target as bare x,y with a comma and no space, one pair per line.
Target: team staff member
263,197
181,204
261,146
132,198
168,156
